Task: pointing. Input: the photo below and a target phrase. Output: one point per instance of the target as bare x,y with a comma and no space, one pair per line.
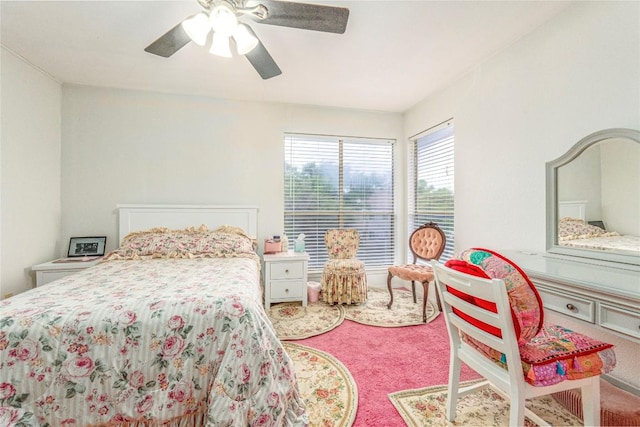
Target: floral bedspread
174,342
619,243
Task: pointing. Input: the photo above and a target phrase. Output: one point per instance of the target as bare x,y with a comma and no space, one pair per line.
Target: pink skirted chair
494,317
344,279
427,242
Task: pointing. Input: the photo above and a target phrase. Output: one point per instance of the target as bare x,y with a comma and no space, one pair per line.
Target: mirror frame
552,200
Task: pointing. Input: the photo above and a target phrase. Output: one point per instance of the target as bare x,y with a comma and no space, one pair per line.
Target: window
335,182
431,181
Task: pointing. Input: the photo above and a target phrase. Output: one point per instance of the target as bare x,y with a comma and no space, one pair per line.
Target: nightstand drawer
626,322
568,304
286,289
287,270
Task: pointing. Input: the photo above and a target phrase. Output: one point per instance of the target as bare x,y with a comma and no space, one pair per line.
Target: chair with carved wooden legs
427,243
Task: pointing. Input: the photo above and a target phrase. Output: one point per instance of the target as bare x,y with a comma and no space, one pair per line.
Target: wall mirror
593,199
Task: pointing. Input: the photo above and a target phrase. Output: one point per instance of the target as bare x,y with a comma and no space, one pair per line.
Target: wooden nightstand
285,278
50,271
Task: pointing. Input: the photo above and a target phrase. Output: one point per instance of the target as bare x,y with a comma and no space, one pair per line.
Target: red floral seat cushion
557,354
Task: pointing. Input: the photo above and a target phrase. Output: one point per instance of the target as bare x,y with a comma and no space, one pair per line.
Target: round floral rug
293,322
427,407
403,312
326,385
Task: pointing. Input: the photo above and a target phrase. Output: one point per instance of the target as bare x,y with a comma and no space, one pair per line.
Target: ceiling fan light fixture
223,20
222,17
197,28
220,45
245,41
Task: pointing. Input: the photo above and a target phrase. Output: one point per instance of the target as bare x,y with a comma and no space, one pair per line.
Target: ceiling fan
220,17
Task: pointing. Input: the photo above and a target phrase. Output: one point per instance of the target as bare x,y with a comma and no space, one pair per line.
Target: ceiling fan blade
261,60
306,16
169,43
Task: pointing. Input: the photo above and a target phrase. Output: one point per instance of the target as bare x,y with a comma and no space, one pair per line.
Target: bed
575,231
169,330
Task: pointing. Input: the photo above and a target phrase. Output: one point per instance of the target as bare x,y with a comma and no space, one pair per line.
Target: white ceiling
392,55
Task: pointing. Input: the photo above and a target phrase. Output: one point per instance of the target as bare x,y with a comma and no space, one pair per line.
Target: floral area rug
293,322
326,385
403,312
427,407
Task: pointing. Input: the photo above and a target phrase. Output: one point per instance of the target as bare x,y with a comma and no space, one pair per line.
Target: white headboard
144,217
573,209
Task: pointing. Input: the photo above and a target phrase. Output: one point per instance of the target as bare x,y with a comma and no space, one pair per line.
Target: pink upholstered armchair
427,243
344,279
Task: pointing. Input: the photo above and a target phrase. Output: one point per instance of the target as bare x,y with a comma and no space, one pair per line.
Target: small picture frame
87,246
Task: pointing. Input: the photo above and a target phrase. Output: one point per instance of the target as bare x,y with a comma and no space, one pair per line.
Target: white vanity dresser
589,275
603,296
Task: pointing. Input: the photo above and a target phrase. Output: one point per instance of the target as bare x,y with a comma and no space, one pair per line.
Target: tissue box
271,247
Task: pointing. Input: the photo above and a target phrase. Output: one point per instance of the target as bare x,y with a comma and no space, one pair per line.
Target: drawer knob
286,291
287,271
572,307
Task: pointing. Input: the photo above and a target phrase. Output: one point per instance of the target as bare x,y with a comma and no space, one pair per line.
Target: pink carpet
384,360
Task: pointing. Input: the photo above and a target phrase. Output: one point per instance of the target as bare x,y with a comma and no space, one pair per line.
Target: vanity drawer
568,305
620,320
287,270
286,289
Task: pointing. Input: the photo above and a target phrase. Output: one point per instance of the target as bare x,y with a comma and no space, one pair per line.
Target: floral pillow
526,304
575,228
188,243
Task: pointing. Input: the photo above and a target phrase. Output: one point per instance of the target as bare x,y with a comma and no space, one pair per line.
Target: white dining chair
469,341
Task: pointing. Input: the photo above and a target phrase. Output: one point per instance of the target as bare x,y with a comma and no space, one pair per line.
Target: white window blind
432,182
335,182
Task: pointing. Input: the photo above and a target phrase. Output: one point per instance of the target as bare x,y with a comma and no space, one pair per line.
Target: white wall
580,180
123,146
30,171
577,74
621,186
